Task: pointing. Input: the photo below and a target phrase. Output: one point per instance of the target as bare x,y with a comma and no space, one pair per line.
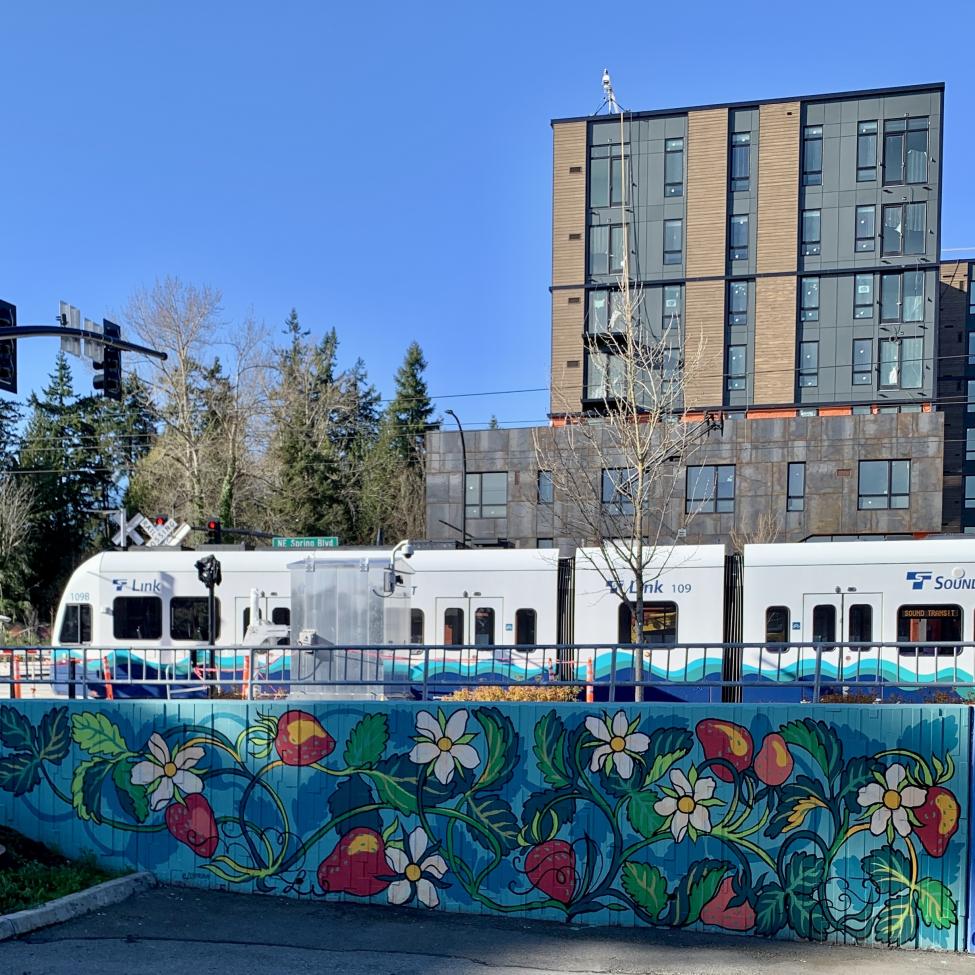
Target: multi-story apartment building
796,242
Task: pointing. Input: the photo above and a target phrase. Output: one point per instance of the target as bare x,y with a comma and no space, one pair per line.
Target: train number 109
681,587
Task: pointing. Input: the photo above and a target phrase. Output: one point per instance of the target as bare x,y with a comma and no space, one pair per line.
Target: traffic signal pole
56,331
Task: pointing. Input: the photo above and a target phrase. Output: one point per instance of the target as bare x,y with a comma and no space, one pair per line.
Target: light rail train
149,610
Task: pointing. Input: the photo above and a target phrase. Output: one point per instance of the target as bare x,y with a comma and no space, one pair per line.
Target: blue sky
385,168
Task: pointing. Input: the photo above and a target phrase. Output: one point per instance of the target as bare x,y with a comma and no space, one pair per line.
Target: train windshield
76,627
939,624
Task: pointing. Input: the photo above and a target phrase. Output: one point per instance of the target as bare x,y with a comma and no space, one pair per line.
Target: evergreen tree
411,408
10,417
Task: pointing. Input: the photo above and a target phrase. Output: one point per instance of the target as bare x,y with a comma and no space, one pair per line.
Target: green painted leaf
349,795
694,890
887,869
86,788
544,813
97,735
807,918
15,730
19,773
819,740
858,772
667,747
133,799
937,906
502,750
646,885
897,921
395,781
804,873
54,736
549,751
367,741
795,803
770,912
496,816
641,814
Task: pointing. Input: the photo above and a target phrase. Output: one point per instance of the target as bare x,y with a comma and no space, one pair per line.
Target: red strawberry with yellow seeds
192,822
774,762
551,868
938,818
731,742
356,866
718,913
301,740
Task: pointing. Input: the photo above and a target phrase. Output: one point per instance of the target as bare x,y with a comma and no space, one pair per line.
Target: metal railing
749,672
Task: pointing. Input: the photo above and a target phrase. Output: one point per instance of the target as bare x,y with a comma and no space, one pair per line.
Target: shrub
517,693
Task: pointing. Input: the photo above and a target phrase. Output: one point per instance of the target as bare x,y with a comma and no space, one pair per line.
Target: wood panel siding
775,340
778,187
703,343
707,192
567,351
568,264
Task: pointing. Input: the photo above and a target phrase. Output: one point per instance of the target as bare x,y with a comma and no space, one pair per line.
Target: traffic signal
214,531
8,349
160,520
108,375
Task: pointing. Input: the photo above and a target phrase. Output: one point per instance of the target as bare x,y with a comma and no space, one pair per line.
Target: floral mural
844,824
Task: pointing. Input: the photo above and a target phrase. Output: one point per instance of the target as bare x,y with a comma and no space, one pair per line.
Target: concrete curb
83,902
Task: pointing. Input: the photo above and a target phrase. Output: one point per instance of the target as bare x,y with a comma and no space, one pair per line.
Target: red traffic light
160,520
213,525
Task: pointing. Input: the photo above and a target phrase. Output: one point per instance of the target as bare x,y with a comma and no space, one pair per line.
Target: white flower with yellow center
443,743
163,774
618,742
889,799
415,871
688,804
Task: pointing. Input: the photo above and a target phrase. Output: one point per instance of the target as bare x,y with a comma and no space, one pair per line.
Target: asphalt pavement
179,930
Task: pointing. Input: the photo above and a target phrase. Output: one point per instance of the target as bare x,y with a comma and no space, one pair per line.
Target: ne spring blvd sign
313,541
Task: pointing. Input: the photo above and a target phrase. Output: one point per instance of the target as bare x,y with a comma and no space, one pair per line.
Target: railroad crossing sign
311,541
139,530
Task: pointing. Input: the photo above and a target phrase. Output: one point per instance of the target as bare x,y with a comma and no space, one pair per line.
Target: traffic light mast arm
57,331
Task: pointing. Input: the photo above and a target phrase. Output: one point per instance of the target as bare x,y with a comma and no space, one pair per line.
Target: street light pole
463,485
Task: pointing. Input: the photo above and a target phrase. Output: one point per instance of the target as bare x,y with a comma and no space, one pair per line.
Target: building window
863,362
808,364
884,484
525,626
545,543
863,296
905,151
137,618
737,302
600,312
740,161
905,225
189,618
673,241
811,232
487,495
970,444
971,348
738,238
546,490
606,249
970,492
866,225
812,155
605,177
866,151
902,297
670,311
901,363
796,498
736,367
710,488
618,484
810,300
674,167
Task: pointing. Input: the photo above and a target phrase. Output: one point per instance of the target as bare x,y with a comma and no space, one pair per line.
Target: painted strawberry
301,740
356,865
551,868
722,739
192,822
718,913
774,762
938,818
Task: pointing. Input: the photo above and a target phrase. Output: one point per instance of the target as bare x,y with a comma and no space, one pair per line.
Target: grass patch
32,874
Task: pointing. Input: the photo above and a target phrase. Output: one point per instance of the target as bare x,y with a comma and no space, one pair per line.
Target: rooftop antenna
609,98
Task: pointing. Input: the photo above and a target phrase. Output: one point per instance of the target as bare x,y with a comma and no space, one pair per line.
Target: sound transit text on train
918,579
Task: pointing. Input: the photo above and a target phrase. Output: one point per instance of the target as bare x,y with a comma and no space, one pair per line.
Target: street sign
312,541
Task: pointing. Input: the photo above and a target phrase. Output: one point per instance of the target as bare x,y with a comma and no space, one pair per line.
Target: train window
659,624
189,619
824,624
76,627
777,624
935,623
860,624
484,625
137,618
525,626
416,626
453,627
281,616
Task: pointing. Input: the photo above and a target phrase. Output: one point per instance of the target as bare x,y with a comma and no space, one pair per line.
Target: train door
843,618
473,620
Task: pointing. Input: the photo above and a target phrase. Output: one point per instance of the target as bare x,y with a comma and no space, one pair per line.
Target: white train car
916,592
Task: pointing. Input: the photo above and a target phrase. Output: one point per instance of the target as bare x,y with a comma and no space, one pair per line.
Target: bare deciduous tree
765,530
16,507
